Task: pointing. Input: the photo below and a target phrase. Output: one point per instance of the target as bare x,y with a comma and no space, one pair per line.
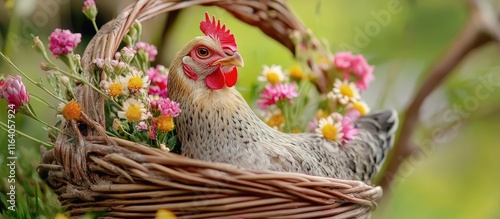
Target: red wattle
215,81
189,72
231,77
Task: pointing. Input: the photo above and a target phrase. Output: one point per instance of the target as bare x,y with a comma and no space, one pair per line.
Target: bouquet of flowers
137,105
288,102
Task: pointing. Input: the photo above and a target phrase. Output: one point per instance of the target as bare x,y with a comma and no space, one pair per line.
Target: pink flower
142,126
273,94
159,81
363,82
63,42
88,4
356,66
148,49
342,60
117,55
89,9
363,71
98,62
348,125
14,91
168,107
312,125
152,132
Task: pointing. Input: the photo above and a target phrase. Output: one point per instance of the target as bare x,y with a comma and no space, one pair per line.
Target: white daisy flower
273,74
330,129
133,111
116,87
136,81
344,92
361,107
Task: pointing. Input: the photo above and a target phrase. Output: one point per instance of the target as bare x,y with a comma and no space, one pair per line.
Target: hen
217,125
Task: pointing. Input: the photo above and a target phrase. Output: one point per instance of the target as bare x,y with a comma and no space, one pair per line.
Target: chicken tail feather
383,124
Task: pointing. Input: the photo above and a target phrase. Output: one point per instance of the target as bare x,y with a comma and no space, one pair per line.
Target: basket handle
273,17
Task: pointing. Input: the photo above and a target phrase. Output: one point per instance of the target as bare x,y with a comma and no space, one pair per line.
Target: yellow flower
133,111
296,73
165,123
276,120
344,92
117,87
330,129
165,214
71,110
273,74
320,114
136,82
61,216
361,107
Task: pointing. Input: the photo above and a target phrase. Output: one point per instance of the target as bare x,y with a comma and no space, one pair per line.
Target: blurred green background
456,177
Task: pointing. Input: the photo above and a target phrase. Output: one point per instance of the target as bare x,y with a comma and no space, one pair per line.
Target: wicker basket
95,172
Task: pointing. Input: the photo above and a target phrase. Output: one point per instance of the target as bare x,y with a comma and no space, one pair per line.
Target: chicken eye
202,52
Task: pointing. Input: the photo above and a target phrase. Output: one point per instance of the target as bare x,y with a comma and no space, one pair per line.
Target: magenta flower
63,42
98,62
167,107
148,49
14,91
348,125
159,81
342,60
152,132
272,94
354,66
142,126
363,71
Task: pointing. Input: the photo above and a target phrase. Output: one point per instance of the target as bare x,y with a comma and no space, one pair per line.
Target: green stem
31,80
81,79
95,25
4,127
68,61
285,110
30,114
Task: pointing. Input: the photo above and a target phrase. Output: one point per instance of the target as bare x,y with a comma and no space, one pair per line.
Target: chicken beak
234,60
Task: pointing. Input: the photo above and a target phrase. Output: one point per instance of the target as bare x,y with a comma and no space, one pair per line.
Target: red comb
214,30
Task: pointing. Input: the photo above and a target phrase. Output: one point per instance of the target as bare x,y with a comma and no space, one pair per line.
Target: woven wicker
95,172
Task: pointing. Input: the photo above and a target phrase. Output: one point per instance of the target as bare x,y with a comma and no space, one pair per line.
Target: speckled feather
219,126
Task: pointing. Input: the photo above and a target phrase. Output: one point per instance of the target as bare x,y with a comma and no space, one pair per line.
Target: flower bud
64,79
14,91
89,9
44,66
138,27
99,62
127,54
128,40
39,47
108,67
77,60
